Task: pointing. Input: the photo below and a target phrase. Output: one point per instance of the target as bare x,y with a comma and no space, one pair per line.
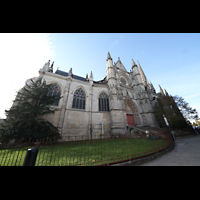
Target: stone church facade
107,106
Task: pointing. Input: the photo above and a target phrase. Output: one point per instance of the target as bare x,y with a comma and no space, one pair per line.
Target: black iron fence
84,151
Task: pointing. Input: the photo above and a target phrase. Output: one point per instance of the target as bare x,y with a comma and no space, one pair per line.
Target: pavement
185,153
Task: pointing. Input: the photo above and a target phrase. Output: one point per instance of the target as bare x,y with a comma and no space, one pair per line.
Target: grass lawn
84,153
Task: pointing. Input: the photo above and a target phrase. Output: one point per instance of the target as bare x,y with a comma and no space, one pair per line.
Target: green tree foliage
167,106
196,123
25,119
187,111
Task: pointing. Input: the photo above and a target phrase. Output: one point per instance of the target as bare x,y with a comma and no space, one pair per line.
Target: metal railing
83,151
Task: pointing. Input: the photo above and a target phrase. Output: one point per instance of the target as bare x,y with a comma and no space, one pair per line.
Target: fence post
31,156
172,134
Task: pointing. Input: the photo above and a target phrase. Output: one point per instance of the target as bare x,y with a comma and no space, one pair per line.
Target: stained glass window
103,102
54,90
79,99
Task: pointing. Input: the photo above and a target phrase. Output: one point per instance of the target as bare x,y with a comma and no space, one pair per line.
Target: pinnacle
91,76
144,79
139,64
133,63
161,90
108,57
166,93
70,72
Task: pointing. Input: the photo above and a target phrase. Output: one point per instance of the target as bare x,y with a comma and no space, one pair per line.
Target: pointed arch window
103,102
79,99
54,90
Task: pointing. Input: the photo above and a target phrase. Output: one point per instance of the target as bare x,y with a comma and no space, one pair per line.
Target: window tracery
54,90
79,99
103,102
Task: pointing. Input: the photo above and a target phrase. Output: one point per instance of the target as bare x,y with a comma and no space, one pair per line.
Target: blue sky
169,59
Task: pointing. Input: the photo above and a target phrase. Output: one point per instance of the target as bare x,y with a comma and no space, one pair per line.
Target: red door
130,120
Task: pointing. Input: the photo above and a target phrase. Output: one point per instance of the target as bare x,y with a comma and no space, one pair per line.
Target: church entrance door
130,120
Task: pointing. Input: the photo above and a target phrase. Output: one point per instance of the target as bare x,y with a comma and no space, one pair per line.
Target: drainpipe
91,85
102,131
91,112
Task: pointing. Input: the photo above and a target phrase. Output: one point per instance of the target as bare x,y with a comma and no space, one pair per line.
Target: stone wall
76,121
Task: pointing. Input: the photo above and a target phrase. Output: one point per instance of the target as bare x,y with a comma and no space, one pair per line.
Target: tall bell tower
116,111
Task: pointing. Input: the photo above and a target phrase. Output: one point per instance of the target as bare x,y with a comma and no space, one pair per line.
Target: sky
169,59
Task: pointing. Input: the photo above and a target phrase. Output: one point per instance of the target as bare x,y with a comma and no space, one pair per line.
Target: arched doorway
132,114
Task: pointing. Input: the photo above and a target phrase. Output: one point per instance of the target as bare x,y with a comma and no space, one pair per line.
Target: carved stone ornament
128,102
119,94
46,66
131,104
110,94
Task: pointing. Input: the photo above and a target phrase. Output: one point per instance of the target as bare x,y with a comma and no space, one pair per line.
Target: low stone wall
179,133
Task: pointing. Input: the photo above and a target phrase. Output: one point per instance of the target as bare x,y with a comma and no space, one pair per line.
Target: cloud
22,55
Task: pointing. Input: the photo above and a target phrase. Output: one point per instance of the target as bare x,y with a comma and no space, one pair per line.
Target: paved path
185,153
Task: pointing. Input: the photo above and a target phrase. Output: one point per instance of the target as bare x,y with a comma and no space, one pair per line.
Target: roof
62,73
66,74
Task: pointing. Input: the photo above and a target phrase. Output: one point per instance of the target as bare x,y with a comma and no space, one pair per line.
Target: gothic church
107,106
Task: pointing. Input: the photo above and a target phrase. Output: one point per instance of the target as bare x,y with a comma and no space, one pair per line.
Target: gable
120,66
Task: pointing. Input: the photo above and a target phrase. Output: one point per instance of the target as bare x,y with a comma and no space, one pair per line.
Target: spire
144,79
152,87
133,63
166,93
139,64
148,84
161,90
108,57
91,76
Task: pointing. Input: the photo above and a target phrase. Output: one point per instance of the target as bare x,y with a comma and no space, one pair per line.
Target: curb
145,159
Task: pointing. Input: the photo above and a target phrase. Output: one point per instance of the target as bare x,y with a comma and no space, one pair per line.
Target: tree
188,112
25,119
194,124
167,106
198,122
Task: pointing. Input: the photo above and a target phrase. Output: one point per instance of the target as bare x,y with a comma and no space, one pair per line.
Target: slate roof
66,74
62,73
